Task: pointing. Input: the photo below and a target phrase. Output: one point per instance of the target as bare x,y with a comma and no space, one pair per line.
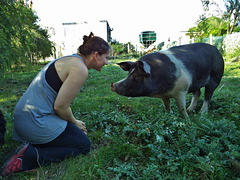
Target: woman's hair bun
87,38
93,44
91,35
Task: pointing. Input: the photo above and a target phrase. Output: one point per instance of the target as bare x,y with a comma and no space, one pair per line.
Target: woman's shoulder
71,65
71,61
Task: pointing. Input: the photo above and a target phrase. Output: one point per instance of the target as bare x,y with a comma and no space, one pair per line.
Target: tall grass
133,138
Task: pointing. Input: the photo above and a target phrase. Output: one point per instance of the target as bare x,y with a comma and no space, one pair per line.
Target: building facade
73,33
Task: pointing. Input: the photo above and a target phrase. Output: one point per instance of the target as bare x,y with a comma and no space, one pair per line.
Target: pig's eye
138,76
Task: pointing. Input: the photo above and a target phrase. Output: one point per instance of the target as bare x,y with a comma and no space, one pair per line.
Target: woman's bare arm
76,76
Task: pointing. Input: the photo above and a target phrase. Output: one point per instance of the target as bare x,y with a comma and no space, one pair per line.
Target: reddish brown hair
93,44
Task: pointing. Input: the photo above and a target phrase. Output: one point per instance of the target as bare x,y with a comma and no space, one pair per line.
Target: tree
206,26
22,40
231,15
121,48
160,46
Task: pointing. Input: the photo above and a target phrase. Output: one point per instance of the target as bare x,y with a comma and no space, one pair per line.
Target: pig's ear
127,65
145,67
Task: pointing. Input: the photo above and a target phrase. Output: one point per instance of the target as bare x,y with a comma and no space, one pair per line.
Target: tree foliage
231,15
121,48
206,26
22,40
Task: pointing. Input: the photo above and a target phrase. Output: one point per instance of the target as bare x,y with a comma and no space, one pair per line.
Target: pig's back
201,61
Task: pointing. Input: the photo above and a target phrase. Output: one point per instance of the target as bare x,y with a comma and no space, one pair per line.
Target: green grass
133,138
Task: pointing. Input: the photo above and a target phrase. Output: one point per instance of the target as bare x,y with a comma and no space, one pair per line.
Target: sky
128,18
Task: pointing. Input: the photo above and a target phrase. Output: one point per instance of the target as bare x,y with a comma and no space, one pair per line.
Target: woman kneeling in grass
43,119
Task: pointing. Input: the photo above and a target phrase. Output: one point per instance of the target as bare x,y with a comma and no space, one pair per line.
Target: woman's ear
95,56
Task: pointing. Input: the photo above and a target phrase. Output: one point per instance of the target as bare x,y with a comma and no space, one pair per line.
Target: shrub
231,45
217,42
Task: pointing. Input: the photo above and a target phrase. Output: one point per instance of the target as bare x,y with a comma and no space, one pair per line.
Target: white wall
73,34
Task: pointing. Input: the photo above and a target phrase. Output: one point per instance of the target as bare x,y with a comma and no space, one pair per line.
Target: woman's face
101,60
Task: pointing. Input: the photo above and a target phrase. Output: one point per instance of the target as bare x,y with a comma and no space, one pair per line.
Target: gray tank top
35,120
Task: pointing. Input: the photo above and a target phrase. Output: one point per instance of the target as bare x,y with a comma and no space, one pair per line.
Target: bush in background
217,41
231,45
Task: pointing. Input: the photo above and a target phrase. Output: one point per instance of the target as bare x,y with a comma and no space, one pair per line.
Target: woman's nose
106,62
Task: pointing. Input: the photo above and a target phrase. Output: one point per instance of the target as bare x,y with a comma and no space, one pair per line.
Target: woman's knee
85,145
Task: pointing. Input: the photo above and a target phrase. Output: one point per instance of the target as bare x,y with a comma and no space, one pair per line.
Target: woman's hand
81,125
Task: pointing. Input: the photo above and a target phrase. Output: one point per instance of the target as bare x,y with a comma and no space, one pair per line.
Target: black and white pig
174,73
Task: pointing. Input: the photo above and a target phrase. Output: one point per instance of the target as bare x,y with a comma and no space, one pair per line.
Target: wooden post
211,39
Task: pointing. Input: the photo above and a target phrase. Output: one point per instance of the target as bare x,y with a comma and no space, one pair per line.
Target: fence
228,45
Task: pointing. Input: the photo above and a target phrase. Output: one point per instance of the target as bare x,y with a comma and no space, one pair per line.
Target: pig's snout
113,87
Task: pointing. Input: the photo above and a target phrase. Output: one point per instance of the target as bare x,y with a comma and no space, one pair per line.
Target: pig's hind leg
209,90
181,103
193,105
166,102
